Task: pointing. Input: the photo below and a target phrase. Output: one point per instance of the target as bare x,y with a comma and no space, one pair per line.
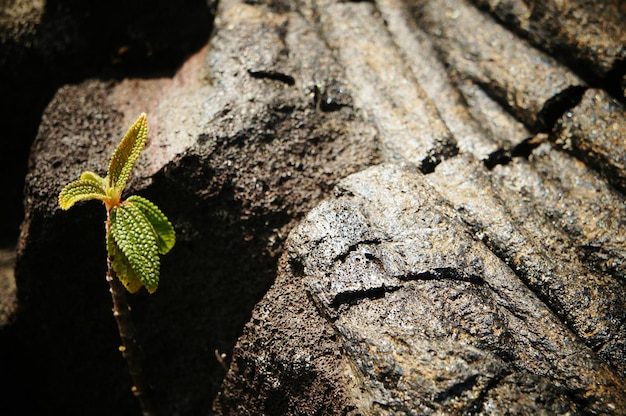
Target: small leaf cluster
137,231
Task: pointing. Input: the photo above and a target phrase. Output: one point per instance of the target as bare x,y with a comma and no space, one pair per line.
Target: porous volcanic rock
406,313
381,207
590,36
522,237
239,148
594,131
45,44
525,80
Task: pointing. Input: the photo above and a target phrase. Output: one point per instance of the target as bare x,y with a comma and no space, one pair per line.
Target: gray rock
479,270
524,80
385,87
238,150
383,278
499,126
423,318
591,38
590,303
592,215
419,51
594,131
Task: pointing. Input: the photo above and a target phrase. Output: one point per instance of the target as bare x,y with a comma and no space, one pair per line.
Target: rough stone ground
389,207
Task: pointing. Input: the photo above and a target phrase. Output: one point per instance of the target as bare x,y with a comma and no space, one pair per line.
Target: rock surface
594,131
479,288
401,188
430,320
8,295
591,38
45,44
526,81
238,150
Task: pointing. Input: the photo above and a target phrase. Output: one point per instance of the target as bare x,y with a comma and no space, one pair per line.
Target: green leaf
127,153
121,266
81,190
92,176
165,234
135,237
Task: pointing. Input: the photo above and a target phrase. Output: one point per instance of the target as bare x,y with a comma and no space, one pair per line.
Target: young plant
136,233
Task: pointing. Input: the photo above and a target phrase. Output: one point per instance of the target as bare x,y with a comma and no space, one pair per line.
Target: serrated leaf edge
161,226
127,152
122,267
132,233
93,190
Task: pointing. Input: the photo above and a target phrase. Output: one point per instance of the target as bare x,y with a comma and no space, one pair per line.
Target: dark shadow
76,40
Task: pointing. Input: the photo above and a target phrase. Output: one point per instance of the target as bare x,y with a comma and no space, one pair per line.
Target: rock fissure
556,106
457,389
272,75
362,248
438,273
353,297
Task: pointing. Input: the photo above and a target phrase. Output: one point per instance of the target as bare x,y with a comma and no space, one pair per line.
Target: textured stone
595,132
479,270
524,80
578,200
431,321
430,72
384,87
588,35
238,149
591,303
499,125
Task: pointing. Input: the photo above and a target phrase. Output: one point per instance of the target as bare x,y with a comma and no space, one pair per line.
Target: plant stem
130,348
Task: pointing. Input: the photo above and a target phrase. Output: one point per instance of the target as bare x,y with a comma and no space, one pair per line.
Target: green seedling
136,233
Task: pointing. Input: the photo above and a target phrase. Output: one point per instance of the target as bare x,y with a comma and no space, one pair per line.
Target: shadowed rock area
384,207
45,44
231,177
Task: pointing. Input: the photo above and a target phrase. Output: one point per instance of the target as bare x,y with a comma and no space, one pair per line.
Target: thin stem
130,347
